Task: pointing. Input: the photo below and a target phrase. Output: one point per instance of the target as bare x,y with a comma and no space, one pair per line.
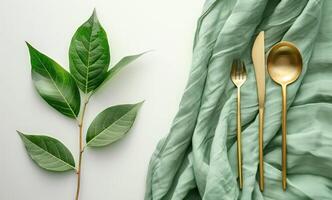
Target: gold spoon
284,64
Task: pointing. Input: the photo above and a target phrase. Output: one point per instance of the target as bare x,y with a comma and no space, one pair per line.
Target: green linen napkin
197,160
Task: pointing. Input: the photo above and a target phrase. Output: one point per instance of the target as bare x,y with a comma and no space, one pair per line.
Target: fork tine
235,68
234,65
244,70
239,69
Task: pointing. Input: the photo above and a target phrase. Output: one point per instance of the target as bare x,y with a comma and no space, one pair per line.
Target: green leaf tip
118,67
94,16
94,12
147,51
19,133
140,103
31,48
28,44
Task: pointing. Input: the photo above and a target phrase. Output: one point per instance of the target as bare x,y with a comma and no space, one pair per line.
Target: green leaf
54,84
48,153
111,124
89,55
118,66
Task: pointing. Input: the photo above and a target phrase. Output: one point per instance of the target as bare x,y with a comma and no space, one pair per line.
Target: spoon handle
239,143
284,143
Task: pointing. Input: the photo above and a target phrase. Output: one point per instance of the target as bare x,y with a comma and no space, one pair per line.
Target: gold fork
239,76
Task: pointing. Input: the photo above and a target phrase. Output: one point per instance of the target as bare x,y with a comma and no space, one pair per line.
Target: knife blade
258,59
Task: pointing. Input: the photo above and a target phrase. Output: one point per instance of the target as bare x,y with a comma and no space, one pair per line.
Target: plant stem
81,148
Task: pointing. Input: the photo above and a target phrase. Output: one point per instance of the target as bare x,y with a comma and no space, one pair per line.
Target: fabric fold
197,160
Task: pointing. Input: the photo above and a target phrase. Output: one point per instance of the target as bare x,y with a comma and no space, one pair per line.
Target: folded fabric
197,160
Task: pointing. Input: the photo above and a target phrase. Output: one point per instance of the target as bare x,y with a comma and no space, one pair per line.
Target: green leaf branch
89,60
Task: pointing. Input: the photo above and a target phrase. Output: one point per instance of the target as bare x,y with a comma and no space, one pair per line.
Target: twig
81,149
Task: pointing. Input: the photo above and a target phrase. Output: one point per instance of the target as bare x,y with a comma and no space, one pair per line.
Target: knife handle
261,160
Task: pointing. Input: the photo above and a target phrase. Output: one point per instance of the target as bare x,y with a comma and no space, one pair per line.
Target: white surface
117,172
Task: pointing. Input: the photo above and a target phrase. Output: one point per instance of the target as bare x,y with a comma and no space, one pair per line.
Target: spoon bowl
284,64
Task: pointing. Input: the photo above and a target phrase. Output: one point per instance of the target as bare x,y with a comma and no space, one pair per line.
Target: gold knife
258,59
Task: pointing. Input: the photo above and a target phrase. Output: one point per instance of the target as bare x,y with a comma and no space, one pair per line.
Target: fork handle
238,135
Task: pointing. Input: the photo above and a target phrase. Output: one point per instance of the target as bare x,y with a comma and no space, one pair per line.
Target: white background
117,172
